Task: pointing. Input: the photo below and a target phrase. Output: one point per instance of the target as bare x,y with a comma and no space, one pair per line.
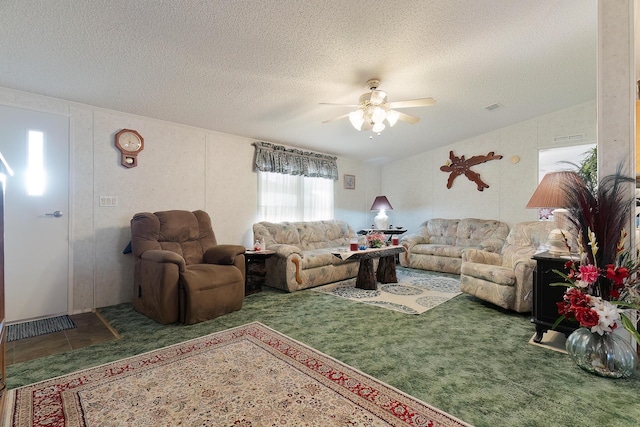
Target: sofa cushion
441,231
284,232
438,250
312,234
472,232
491,273
323,234
313,258
337,230
524,240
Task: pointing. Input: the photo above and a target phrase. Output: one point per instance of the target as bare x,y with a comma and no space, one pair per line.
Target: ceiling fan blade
340,105
422,102
408,118
336,118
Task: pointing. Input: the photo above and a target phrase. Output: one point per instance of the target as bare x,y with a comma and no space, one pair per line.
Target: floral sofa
439,243
303,257
506,278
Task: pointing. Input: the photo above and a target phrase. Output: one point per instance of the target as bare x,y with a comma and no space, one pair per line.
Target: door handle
56,214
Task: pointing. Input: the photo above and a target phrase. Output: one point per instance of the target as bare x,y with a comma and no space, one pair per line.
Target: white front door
36,146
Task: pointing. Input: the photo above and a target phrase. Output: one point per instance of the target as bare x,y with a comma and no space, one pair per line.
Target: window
35,163
283,197
294,185
555,159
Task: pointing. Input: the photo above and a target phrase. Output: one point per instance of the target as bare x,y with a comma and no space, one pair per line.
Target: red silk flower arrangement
604,281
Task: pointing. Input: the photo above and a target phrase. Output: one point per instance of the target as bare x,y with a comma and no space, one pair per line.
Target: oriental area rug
416,291
248,376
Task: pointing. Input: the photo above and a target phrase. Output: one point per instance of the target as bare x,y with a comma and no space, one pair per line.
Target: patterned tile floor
91,329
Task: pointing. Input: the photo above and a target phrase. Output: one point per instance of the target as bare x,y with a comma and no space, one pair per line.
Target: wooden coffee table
386,272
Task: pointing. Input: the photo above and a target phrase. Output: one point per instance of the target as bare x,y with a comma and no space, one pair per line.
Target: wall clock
130,143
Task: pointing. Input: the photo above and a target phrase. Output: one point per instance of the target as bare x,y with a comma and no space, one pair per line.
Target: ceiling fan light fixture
378,127
357,119
378,115
373,109
378,97
392,117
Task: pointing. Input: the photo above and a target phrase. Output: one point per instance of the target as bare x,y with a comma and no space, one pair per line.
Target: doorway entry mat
34,328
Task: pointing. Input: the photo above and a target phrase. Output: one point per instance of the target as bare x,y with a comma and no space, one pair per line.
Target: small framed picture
350,182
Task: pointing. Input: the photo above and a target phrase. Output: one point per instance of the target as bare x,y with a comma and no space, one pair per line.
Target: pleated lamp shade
549,193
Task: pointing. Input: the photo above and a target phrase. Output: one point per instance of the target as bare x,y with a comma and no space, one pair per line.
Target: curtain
318,199
276,158
294,185
278,197
294,198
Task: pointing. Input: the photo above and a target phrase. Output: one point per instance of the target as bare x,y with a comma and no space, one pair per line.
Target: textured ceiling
260,69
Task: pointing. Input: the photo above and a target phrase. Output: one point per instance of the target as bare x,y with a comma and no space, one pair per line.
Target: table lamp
550,194
381,204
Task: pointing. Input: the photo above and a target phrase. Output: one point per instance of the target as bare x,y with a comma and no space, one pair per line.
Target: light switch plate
108,201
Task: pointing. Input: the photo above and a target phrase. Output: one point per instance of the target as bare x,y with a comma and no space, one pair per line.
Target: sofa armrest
524,264
492,244
284,250
523,269
162,256
411,240
223,254
481,257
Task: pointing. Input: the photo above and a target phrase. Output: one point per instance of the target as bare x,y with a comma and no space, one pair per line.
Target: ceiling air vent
569,138
494,107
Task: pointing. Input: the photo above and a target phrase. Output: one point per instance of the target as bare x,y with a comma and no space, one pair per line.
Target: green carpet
466,357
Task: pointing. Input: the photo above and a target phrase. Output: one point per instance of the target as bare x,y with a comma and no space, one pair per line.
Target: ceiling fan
373,109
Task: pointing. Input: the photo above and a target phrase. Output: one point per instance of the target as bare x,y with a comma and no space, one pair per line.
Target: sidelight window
35,163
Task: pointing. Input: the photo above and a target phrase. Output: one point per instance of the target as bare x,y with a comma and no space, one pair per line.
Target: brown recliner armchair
181,273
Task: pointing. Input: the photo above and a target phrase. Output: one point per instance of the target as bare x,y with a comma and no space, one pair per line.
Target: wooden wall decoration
460,166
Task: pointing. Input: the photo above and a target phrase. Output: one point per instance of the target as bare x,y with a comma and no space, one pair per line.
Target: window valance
279,159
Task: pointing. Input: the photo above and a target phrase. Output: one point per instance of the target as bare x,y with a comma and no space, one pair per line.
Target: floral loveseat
303,256
439,244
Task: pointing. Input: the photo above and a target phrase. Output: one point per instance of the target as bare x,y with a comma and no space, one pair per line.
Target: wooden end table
255,270
385,231
386,272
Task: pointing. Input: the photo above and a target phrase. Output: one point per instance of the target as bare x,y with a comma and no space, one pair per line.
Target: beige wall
353,205
180,167
183,167
417,189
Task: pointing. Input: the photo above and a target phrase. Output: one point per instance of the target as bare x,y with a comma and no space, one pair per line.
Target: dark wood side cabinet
545,297
256,270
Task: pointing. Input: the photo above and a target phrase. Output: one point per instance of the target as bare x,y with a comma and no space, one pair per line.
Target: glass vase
607,355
